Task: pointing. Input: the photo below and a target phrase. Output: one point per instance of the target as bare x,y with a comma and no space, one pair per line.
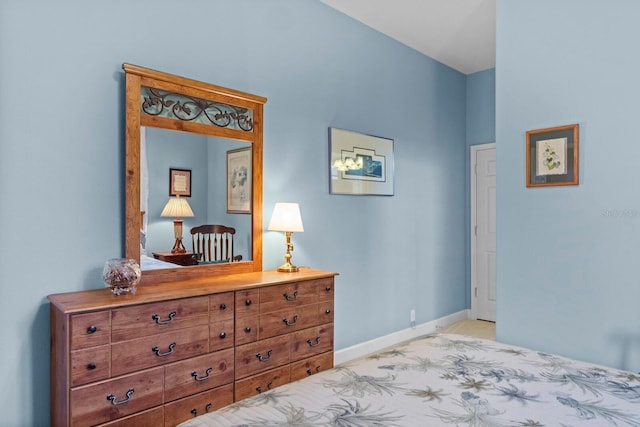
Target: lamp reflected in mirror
178,208
286,217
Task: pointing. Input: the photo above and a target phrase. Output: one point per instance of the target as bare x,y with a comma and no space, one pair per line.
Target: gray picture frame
360,164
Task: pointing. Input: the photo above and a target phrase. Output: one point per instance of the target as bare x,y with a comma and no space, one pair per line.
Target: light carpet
473,328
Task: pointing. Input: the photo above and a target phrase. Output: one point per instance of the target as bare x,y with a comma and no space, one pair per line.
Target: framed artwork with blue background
360,164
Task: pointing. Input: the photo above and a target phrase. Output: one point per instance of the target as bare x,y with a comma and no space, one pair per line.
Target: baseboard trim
371,346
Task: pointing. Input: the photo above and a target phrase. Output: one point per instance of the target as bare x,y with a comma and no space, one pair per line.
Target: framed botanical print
552,156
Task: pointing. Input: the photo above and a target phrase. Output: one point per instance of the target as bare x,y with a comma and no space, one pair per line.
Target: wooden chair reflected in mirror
213,244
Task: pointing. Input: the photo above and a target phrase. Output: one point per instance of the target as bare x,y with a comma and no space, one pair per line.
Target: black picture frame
180,182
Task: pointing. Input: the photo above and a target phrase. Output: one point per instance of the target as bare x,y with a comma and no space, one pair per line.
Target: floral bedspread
446,380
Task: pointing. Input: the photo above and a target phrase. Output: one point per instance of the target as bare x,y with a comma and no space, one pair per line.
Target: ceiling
458,33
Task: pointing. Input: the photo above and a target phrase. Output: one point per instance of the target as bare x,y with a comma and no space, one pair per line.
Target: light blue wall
568,278
481,107
62,151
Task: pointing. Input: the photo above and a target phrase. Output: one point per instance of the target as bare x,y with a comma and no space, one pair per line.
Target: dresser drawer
151,418
273,298
307,367
247,303
325,289
262,356
90,364
129,356
221,307
90,329
190,407
246,330
262,382
149,319
108,400
198,374
311,341
288,320
221,335
325,312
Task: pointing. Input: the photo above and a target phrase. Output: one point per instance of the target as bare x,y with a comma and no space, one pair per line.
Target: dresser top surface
100,299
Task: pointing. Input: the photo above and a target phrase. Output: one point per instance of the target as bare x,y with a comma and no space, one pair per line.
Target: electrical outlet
413,318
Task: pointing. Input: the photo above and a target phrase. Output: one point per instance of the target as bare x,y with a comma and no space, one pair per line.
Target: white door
483,231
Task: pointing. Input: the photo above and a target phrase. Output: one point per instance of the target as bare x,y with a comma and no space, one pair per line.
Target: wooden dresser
176,350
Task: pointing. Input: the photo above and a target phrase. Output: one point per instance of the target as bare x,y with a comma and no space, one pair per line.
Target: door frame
472,220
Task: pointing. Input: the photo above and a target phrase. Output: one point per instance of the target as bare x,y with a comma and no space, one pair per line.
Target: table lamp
286,217
178,208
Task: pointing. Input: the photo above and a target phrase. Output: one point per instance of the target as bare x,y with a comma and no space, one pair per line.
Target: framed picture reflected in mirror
239,180
180,182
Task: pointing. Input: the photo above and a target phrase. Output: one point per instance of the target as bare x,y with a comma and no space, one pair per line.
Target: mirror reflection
213,121
205,160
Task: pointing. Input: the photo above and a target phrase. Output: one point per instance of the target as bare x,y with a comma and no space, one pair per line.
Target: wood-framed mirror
161,101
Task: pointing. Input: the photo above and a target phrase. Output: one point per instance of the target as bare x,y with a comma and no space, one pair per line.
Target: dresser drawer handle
327,311
310,372
311,344
223,306
163,322
247,302
290,297
288,323
207,408
157,351
195,375
247,329
91,366
259,388
223,335
91,329
264,359
112,398
328,289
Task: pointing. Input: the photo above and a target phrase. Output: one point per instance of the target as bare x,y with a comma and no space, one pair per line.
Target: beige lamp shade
177,207
286,217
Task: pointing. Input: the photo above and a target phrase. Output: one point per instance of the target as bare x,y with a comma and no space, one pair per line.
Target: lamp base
287,267
178,247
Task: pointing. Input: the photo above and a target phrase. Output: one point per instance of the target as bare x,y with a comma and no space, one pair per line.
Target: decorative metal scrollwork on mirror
159,100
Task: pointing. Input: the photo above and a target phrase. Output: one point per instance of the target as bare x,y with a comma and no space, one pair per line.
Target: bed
446,380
